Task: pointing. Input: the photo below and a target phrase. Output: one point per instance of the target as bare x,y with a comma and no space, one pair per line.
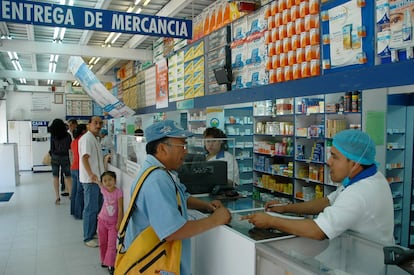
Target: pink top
109,210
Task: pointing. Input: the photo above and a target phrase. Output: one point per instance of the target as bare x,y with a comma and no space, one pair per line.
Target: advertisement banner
96,90
401,23
162,84
345,43
54,15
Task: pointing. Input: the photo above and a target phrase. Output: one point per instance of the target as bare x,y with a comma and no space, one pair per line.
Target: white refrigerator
20,132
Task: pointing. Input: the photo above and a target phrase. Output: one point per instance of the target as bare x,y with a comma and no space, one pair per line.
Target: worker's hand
260,220
275,206
221,216
213,205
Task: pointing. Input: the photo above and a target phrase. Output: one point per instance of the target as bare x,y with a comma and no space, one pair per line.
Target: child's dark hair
108,173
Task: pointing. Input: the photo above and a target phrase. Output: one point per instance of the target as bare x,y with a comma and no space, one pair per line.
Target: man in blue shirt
156,204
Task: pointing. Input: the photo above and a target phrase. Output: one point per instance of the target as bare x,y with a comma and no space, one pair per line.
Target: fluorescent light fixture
49,82
22,80
96,60
138,10
146,2
137,2
55,33
115,38
130,8
109,38
62,33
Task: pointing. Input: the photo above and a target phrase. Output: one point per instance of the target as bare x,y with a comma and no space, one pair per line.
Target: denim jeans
76,199
93,203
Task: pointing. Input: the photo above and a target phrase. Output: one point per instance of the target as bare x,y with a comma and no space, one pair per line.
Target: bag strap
132,206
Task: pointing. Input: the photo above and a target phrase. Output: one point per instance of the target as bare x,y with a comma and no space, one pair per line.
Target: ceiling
34,44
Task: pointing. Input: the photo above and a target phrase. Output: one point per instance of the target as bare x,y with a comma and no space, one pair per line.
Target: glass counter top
346,254
236,204
255,234
243,206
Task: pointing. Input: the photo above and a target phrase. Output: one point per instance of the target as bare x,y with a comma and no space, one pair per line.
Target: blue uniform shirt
157,206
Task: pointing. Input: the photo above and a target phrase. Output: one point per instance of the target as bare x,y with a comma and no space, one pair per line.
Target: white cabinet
20,132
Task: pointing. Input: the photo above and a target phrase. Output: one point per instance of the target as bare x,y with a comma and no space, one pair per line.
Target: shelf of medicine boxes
239,126
317,120
395,160
197,121
273,148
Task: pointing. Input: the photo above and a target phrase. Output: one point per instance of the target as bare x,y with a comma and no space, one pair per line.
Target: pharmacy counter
231,249
239,248
346,254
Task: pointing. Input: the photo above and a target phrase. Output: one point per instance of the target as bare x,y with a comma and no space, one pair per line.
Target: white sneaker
91,243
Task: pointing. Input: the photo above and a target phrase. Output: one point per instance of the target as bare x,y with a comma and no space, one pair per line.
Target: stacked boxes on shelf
194,70
218,56
293,39
249,52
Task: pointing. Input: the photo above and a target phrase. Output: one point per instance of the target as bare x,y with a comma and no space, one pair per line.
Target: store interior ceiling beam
171,9
46,75
32,47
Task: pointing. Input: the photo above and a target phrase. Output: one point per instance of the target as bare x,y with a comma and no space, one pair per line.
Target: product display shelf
317,120
395,164
273,149
197,121
239,126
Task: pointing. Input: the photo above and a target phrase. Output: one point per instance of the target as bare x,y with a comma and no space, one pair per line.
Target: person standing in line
72,125
109,219
76,198
156,204
362,204
216,147
91,164
59,151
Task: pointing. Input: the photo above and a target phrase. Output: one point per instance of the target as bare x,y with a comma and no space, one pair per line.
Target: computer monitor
201,177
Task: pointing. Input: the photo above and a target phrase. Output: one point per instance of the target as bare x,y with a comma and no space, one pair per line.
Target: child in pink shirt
109,219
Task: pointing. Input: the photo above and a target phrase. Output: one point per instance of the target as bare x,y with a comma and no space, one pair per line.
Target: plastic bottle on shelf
355,96
348,102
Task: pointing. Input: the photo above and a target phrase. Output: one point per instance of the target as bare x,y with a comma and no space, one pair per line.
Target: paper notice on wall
345,43
96,90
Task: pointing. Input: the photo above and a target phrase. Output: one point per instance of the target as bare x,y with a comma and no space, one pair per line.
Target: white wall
19,107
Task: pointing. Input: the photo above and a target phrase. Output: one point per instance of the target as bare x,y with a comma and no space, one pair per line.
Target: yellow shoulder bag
147,254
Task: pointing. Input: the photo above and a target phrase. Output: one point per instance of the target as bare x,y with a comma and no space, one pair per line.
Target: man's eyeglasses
184,146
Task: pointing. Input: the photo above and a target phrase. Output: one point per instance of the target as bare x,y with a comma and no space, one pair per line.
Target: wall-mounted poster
345,41
162,84
401,23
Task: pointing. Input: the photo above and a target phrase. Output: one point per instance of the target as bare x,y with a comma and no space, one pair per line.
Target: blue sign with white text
54,15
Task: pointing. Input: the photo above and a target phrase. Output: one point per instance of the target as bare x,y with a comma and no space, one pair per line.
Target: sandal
57,201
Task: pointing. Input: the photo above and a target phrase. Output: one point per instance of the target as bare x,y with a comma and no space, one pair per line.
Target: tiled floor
39,237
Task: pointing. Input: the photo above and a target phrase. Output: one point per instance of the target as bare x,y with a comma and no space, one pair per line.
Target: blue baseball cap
165,128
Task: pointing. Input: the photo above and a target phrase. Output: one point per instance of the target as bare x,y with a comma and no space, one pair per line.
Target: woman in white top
216,146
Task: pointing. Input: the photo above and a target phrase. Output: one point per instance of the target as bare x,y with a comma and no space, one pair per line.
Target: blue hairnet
356,146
